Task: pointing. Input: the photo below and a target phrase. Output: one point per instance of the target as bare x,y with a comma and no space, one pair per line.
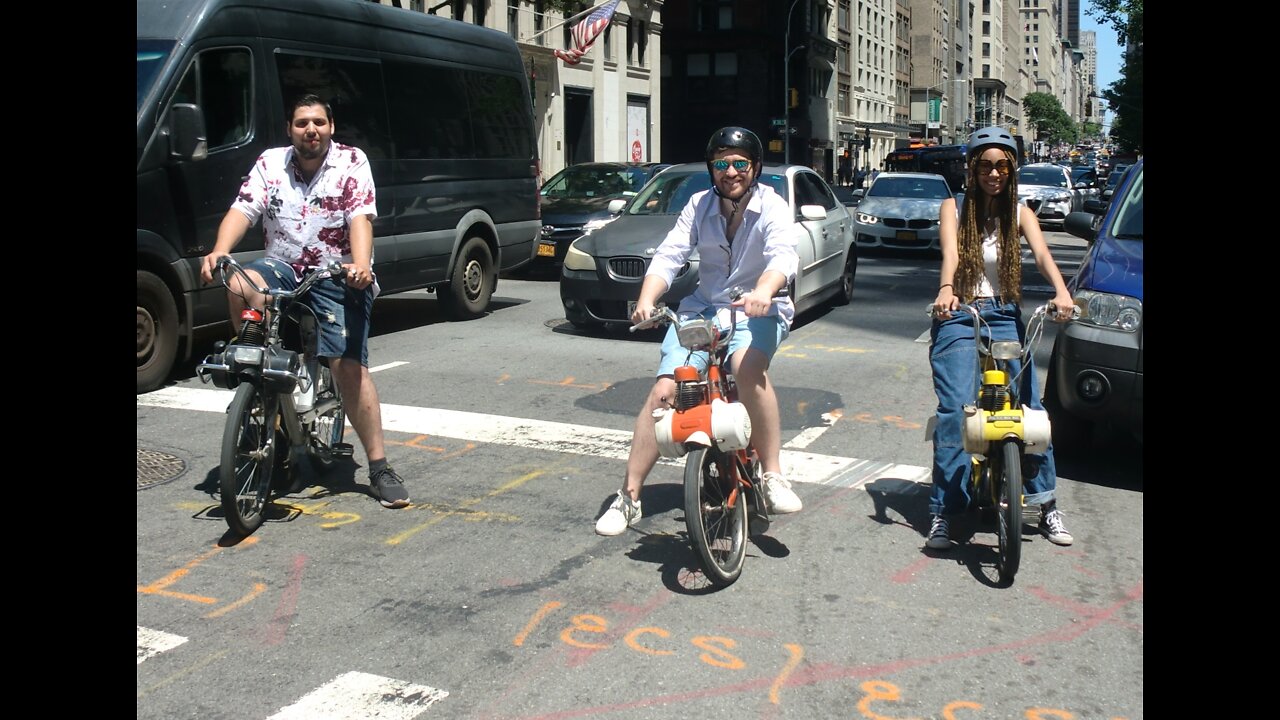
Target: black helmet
740,138
993,136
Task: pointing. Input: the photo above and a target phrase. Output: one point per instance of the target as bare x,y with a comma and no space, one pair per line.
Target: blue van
441,108
1095,374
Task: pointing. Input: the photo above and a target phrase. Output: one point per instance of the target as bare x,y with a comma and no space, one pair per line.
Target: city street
492,597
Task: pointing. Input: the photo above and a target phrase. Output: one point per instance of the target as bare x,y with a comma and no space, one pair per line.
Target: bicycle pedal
342,450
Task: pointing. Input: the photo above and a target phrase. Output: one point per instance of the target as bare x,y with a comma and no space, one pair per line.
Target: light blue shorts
764,334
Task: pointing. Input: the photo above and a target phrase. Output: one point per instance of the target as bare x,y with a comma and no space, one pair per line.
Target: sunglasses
723,165
1004,167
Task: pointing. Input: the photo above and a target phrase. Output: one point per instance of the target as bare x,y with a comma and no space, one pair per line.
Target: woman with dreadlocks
982,267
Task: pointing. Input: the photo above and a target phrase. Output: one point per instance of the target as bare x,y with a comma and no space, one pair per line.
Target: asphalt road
491,596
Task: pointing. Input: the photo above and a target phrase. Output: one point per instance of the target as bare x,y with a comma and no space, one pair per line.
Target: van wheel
157,331
471,283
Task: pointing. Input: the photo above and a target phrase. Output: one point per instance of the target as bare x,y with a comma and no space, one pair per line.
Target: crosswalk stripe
357,696
800,466
154,642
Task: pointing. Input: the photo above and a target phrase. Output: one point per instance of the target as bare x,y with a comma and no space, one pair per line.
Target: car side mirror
813,212
615,206
1096,207
1081,224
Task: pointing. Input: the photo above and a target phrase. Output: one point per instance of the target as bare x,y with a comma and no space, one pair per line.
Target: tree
1051,122
1125,95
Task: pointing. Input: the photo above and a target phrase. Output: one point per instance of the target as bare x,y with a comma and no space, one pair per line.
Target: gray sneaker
939,539
389,488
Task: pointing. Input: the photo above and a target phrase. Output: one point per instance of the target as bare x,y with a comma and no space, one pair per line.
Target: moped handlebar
334,269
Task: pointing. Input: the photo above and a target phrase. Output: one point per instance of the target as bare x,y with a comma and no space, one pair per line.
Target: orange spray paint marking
1043,713
397,539
503,378
258,589
949,712
797,654
585,623
537,618
878,690
631,641
717,655
158,587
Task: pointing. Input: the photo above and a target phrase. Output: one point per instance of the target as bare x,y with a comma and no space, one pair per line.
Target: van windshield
152,55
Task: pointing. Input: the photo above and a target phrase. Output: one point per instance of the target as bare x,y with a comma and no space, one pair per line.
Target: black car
577,198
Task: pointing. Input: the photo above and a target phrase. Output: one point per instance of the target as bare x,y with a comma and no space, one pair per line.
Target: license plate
631,307
906,235
545,250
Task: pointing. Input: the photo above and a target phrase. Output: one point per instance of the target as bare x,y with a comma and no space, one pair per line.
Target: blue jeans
955,380
342,312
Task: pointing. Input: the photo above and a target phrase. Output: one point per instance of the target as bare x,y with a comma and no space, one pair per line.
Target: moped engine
720,424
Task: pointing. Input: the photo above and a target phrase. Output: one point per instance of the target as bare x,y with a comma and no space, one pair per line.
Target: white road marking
808,435
388,366
358,696
556,437
154,642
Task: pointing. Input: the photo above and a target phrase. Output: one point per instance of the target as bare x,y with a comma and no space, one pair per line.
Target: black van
441,108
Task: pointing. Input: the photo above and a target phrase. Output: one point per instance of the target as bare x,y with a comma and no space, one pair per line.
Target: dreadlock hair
973,218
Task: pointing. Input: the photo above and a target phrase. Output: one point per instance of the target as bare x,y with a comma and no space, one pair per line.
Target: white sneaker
779,496
622,514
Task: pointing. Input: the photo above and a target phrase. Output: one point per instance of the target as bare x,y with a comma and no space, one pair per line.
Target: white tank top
988,284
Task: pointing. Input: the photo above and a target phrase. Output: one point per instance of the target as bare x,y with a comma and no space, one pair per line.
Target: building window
843,16
712,76
986,50
986,6
844,56
513,18
608,42
539,21
637,38
986,71
713,15
417,5
843,99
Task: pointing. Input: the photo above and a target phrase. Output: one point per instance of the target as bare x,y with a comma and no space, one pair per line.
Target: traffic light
866,141
795,98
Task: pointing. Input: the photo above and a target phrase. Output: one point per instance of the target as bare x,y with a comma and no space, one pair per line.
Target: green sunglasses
723,165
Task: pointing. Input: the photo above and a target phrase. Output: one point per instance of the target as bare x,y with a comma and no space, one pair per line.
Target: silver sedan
900,210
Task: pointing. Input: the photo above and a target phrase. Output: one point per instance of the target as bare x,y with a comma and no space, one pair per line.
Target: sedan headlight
866,219
1106,310
1060,196
575,259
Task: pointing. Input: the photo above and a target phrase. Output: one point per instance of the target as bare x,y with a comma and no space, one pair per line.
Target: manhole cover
157,468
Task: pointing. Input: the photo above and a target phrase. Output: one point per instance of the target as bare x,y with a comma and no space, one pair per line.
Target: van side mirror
187,139
1097,207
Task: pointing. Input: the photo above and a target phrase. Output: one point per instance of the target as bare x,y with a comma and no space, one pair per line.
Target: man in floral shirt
316,201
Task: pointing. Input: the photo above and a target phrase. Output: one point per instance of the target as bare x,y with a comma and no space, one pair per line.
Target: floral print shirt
306,224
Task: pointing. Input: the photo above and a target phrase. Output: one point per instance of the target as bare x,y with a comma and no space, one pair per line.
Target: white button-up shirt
766,240
306,224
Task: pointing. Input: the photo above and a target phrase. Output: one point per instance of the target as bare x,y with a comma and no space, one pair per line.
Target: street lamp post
786,87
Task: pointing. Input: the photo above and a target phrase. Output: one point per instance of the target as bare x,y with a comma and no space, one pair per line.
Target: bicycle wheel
330,425
717,530
248,456
1010,515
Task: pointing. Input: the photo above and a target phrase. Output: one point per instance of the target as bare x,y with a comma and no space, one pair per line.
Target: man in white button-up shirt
746,237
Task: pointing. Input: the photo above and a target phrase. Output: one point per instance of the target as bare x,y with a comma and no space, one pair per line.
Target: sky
1109,52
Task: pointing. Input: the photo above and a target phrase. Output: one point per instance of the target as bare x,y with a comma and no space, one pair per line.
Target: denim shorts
764,334
342,312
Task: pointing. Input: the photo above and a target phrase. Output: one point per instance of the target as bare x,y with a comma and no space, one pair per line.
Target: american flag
585,33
